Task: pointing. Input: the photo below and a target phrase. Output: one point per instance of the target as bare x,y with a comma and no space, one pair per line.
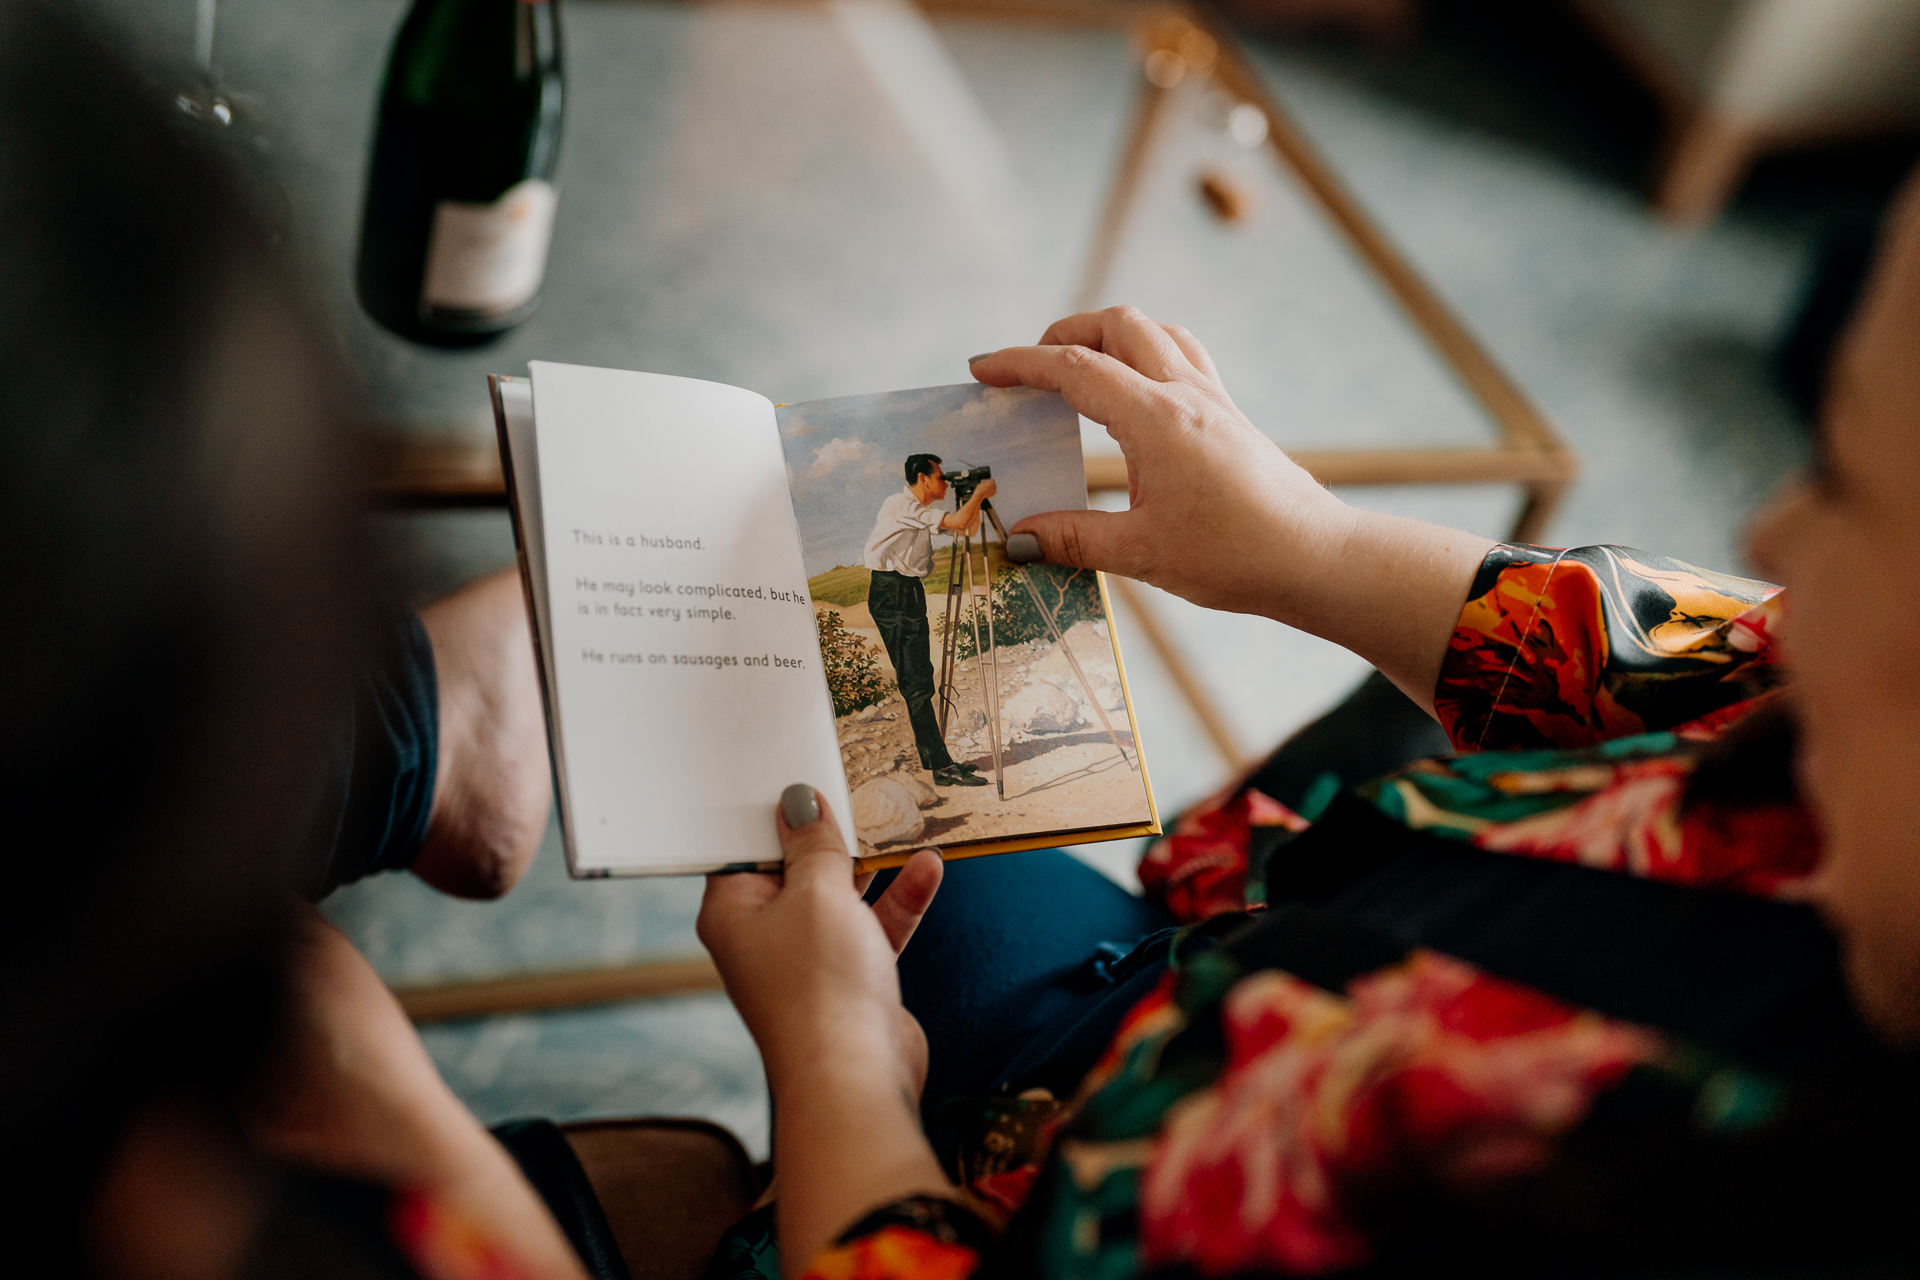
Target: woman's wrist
845,1048
1275,555
1388,588
1308,531
1397,598
849,1141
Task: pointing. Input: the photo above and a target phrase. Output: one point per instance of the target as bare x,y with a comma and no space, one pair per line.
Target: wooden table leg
1704,160
1543,499
564,989
1149,111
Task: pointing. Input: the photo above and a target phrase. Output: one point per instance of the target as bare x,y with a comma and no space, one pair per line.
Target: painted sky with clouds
846,456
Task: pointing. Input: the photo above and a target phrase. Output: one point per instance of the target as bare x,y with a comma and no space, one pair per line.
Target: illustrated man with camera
900,553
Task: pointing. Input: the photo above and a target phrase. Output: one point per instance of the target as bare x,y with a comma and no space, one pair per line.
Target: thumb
810,838
1083,539
906,900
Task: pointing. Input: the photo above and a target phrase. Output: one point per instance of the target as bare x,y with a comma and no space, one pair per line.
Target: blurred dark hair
920,464
181,597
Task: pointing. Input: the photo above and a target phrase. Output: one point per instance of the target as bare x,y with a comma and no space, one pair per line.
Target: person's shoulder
907,503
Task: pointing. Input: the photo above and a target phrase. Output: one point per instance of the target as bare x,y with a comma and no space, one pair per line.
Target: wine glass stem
203,36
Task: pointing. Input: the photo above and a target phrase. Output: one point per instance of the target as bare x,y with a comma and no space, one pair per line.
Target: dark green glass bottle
460,195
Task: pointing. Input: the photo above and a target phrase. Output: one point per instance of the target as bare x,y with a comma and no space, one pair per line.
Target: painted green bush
852,665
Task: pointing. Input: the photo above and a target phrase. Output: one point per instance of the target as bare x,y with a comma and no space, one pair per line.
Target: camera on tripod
963,483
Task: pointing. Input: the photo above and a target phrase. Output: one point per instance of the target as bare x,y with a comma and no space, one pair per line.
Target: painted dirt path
1061,769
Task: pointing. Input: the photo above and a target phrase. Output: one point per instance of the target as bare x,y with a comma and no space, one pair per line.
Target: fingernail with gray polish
972,360
1023,548
800,806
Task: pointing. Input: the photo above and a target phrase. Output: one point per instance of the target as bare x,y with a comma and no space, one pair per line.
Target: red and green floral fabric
1578,688
1240,1106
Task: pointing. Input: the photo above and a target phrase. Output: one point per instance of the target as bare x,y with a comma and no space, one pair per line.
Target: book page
520,467
980,705
686,685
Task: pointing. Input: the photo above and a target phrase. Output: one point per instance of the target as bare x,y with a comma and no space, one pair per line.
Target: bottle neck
475,56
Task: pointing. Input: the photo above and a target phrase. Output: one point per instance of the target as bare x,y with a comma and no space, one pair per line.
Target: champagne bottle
460,196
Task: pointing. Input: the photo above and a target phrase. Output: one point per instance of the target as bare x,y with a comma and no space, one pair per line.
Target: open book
730,596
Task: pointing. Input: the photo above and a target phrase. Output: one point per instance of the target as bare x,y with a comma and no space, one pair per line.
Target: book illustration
974,699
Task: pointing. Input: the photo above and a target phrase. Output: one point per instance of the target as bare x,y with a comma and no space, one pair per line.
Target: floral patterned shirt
1289,1101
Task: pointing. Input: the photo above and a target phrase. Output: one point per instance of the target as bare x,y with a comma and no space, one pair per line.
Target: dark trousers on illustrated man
899,608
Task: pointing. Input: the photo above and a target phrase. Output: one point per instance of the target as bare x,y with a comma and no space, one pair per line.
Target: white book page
521,462
686,687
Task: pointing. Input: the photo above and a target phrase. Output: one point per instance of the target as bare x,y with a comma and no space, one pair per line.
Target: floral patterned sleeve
1571,648
1555,652
922,1238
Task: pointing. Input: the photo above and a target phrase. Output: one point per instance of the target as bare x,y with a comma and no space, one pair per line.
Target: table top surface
818,199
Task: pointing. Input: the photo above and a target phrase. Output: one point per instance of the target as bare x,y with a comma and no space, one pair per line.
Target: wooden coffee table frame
1178,47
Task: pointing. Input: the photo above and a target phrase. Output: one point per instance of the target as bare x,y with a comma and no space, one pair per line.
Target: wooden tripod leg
1059,637
989,659
980,657
949,637
1164,645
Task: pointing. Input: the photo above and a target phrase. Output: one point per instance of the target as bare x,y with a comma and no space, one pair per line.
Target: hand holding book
811,969
1219,515
729,594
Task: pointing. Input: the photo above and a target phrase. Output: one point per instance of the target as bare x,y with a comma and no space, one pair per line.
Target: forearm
352,1091
1388,588
847,1140
474,1175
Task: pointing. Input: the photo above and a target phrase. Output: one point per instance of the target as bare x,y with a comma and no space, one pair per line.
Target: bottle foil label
489,257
